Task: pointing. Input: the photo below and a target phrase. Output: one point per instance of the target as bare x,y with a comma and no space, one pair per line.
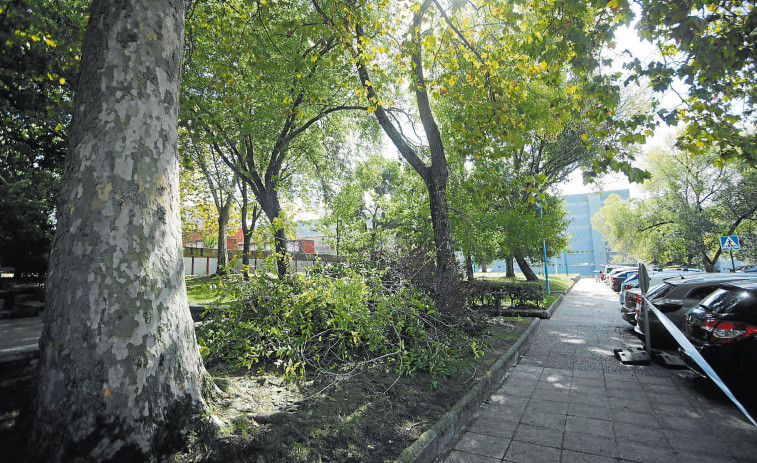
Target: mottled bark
120,371
524,267
484,268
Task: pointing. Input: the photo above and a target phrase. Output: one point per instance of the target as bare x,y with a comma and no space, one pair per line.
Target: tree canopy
708,45
692,203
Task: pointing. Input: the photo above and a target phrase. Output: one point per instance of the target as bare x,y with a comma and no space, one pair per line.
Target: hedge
520,293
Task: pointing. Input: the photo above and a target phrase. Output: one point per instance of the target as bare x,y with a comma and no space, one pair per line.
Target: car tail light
614,280
727,331
629,286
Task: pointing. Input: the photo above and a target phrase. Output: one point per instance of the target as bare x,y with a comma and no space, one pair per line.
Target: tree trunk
436,174
247,230
510,267
223,222
469,267
524,267
272,209
484,269
120,372
708,264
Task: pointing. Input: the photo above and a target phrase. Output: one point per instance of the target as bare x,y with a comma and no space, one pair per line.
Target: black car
617,278
677,297
723,327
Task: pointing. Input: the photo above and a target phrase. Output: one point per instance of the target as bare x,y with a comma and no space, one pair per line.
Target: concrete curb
19,354
434,441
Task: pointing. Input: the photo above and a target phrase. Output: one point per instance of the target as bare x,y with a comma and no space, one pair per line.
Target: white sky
626,37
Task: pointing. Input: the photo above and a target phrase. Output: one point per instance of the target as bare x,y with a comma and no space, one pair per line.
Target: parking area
569,399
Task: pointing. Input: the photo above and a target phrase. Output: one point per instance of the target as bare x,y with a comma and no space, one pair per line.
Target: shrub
328,320
520,293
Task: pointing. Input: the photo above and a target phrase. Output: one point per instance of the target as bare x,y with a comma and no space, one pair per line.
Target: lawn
203,290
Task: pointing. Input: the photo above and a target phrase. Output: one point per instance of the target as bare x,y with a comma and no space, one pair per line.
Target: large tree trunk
436,183
510,267
524,267
120,371
223,222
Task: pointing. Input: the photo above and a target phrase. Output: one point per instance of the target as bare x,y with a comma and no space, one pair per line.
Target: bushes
329,320
520,293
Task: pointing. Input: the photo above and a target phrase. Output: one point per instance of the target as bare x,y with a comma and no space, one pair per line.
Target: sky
626,37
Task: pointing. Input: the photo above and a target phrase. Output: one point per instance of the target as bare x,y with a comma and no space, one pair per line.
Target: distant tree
487,57
120,373
39,51
221,182
262,87
692,203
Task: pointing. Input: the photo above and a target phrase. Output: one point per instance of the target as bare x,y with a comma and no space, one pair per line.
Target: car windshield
730,301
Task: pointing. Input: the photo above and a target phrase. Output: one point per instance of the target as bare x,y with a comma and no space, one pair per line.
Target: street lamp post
544,249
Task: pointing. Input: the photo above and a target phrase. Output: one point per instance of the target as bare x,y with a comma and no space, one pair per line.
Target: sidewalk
569,399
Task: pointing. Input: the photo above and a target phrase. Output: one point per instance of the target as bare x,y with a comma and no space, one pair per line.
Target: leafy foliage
709,46
329,321
39,43
692,204
519,293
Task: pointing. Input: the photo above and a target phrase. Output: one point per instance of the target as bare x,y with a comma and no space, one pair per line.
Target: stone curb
434,441
19,354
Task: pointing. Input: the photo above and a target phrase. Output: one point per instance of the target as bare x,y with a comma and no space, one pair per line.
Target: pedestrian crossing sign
729,243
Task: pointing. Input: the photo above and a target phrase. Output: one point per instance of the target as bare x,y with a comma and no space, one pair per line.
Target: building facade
588,248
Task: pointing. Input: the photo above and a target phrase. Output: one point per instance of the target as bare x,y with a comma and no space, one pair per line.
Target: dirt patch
369,417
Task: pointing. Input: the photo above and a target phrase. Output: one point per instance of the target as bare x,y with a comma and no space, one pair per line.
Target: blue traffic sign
729,243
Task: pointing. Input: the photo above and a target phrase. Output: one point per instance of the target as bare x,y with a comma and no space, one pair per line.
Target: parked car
609,268
632,303
617,278
723,328
616,271
628,301
677,297
681,269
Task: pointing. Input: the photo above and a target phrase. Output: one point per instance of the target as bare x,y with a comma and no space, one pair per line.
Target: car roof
713,278
745,284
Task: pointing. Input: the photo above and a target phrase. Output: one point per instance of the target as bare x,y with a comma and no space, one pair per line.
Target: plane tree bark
120,373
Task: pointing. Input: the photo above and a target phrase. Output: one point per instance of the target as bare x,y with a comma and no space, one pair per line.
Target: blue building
588,249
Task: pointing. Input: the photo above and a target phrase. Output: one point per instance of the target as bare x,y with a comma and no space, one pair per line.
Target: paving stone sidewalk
570,400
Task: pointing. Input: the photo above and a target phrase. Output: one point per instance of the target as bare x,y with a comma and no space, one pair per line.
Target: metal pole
733,264
544,249
647,334
565,254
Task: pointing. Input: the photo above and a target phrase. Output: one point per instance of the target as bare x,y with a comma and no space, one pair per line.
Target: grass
203,290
